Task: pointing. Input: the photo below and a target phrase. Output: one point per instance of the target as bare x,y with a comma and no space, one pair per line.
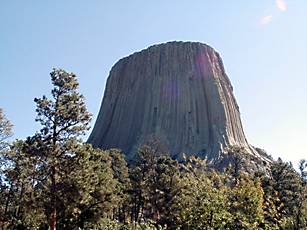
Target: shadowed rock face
177,92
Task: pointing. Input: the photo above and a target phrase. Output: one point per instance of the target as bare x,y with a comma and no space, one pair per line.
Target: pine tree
301,212
63,119
154,179
21,193
5,129
282,194
53,178
120,172
5,133
202,201
245,201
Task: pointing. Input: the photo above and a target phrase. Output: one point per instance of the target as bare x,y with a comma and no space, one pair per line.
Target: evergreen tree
202,202
5,129
64,182
245,201
63,119
5,133
211,200
21,194
154,179
301,212
282,194
121,174
54,180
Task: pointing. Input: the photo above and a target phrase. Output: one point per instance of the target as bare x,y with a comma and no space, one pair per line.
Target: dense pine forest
55,180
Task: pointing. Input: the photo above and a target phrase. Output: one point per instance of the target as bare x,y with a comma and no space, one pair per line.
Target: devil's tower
178,93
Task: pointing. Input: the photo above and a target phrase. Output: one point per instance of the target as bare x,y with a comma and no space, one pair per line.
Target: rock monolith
177,93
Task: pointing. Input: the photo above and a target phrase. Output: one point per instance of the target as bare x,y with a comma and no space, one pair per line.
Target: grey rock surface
176,92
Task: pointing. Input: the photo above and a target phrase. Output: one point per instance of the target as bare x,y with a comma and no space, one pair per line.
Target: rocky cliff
178,93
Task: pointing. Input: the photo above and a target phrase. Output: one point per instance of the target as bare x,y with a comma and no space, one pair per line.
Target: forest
55,180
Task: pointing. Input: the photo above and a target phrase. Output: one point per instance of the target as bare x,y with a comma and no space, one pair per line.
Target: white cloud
266,19
281,5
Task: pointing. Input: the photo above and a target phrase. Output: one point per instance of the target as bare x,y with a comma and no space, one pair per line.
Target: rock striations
178,93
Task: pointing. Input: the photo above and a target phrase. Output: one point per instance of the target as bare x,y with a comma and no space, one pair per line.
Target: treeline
53,180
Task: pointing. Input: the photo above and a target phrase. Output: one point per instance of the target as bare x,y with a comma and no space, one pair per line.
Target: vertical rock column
178,93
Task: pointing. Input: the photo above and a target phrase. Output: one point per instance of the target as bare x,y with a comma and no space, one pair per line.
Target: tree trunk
53,215
8,201
53,220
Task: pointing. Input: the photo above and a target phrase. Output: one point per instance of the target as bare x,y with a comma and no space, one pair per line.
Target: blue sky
263,44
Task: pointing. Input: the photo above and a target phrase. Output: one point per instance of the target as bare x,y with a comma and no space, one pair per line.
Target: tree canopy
54,180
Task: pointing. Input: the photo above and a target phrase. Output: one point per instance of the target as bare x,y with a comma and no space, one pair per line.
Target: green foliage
108,224
5,133
64,182
65,115
20,194
284,197
202,204
5,129
209,201
63,118
245,204
82,196
154,179
53,179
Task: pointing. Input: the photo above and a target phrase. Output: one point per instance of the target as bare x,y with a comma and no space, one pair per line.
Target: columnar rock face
178,93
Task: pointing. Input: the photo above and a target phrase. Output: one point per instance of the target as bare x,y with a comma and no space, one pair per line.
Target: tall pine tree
63,119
